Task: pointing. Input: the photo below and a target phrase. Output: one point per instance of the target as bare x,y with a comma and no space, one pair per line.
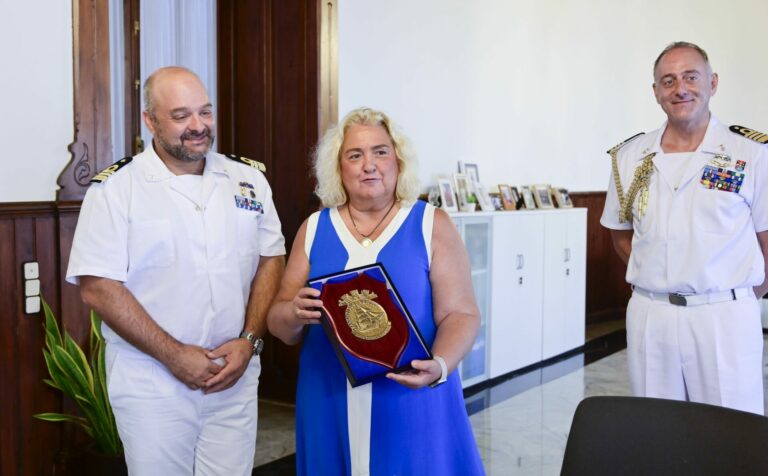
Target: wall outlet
32,305
32,287
31,270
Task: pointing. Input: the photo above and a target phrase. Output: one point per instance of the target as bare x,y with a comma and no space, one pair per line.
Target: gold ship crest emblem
366,318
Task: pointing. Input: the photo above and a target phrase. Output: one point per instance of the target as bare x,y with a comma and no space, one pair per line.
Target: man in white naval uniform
687,206
179,250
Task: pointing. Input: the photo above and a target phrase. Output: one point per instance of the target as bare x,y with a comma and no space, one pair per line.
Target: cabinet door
576,279
554,314
564,281
516,291
476,234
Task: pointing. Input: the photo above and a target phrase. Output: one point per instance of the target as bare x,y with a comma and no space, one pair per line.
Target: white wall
36,97
536,92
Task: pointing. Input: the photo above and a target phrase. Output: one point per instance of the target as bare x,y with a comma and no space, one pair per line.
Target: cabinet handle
567,271
567,255
520,280
520,261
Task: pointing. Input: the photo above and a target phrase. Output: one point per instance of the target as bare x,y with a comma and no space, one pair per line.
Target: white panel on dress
359,399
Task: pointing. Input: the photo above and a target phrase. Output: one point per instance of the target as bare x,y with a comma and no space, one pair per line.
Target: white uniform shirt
188,254
695,239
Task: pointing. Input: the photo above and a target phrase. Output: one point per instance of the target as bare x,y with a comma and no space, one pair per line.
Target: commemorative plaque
367,323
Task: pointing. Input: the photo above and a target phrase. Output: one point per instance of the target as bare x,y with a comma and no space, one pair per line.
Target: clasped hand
214,370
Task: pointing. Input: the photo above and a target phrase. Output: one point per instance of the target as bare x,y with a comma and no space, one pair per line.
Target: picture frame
562,198
464,193
447,195
483,198
471,171
496,201
542,196
516,197
507,200
527,195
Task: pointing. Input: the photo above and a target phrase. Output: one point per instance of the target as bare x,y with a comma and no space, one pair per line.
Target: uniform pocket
717,211
151,244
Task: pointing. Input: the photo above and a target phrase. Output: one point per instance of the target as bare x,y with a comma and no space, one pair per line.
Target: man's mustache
192,135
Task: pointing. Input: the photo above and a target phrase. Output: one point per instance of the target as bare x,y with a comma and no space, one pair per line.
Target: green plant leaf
82,380
56,417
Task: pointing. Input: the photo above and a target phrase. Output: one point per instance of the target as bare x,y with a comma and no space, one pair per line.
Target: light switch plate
31,270
32,305
32,287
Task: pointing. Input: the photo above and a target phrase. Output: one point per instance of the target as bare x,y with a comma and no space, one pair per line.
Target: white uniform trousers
169,429
710,353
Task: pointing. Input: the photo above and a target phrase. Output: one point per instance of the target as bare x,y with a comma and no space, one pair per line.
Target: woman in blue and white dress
400,424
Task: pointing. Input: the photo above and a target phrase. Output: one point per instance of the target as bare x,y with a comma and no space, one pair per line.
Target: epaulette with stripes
621,144
109,171
244,160
756,136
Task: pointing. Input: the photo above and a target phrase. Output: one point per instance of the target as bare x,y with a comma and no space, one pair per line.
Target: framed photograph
483,198
447,195
542,197
527,195
496,201
562,198
470,170
507,200
464,193
516,197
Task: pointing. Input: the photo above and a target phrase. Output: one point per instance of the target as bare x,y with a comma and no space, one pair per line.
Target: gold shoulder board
109,171
621,144
756,136
244,160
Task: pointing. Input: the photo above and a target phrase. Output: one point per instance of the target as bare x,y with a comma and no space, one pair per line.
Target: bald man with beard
179,250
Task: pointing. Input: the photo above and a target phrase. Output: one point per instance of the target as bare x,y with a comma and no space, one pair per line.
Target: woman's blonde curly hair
327,158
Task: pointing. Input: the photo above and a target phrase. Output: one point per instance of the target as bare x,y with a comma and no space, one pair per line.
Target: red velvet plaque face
365,320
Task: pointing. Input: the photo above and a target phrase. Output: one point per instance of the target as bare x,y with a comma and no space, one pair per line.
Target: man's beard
178,151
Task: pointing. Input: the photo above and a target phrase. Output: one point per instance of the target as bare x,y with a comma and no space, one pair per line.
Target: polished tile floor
521,424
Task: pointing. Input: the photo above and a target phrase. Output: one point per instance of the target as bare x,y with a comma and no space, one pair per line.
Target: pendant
366,242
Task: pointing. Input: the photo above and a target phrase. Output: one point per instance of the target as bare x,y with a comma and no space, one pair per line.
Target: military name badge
719,178
368,324
247,199
721,160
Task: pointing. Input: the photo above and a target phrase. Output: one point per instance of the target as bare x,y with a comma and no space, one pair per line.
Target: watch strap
443,371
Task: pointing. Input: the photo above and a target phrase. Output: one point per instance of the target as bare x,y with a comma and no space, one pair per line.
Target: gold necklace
367,241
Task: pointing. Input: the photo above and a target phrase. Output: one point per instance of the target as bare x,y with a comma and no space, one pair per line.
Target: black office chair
651,436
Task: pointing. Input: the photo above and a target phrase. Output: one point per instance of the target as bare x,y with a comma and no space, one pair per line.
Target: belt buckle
677,299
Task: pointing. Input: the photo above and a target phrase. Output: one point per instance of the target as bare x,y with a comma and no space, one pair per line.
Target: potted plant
83,381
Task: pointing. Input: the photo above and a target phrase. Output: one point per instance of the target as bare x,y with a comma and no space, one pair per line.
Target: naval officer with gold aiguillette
687,206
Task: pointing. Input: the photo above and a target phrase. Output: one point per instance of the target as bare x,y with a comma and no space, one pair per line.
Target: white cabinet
565,281
516,291
529,278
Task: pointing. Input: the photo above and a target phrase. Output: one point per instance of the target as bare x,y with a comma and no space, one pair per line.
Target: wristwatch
443,371
256,342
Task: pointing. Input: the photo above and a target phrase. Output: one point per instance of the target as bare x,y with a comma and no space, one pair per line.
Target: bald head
161,80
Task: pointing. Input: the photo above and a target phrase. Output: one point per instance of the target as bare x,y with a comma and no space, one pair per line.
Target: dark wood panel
9,397
607,289
91,149
27,445
269,111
